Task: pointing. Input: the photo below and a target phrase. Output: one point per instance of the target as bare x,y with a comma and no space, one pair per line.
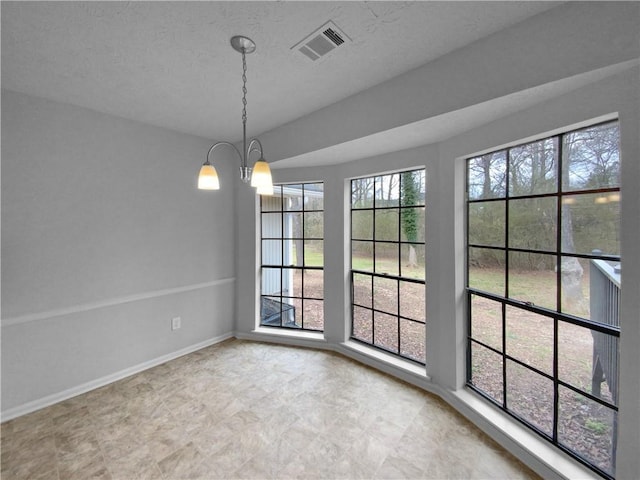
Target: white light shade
265,190
261,176
208,178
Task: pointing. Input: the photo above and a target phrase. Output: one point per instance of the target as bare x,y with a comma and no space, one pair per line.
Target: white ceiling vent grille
321,41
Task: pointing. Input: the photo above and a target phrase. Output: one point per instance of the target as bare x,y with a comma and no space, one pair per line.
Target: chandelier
260,175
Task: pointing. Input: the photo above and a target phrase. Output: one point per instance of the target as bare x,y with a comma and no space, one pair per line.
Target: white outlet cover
175,323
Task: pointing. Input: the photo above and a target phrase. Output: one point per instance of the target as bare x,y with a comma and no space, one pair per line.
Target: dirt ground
584,426
400,335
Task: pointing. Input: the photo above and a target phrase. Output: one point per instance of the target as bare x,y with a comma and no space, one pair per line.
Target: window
388,264
292,283
543,283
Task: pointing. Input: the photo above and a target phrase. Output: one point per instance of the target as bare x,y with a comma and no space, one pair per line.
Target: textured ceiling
170,63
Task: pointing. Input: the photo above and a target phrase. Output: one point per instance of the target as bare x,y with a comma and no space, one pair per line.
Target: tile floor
257,411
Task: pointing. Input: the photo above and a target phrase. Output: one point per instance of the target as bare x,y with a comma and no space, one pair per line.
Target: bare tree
571,271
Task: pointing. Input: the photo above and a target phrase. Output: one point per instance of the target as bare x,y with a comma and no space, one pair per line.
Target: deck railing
604,303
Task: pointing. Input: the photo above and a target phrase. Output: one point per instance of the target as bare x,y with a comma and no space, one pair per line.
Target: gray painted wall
445,166
576,38
92,271
104,239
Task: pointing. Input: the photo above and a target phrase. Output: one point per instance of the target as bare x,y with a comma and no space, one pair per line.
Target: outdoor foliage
292,230
387,231
543,229
394,204
588,221
409,196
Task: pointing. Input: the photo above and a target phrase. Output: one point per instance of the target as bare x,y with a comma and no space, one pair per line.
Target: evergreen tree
409,216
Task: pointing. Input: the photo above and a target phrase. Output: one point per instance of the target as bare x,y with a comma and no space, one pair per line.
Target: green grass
490,280
316,258
313,259
596,426
361,263
536,286
531,341
384,265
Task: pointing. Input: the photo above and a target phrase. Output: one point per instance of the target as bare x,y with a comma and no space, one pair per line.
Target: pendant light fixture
260,175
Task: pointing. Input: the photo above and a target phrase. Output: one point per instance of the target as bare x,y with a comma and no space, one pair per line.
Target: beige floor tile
299,435
270,461
212,438
185,462
194,416
165,441
36,460
26,432
67,406
254,469
133,464
229,458
122,446
109,416
398,468
80,419
371,449
244,410
23,446
447,463
76,443
352,467
320,454
127,426
85,465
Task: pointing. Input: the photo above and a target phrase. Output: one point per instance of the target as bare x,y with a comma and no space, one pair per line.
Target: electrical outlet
176,323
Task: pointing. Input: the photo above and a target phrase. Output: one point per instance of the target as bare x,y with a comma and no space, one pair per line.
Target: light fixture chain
208,177
244,88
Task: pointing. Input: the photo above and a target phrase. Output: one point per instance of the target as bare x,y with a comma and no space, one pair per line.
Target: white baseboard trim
106,380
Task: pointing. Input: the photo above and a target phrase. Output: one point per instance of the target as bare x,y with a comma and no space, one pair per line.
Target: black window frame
278,301
557,316
373,274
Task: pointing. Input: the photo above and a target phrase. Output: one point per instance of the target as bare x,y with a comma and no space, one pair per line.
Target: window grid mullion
505,380
291,269
586,256
378,205
398,314
557,143
564,317
282,232
373,314
559,226
304,257
399,233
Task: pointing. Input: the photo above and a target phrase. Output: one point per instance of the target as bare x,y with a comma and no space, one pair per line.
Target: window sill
287,337
403,369
535,452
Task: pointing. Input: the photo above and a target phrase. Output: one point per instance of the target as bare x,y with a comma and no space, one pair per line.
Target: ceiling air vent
322,41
